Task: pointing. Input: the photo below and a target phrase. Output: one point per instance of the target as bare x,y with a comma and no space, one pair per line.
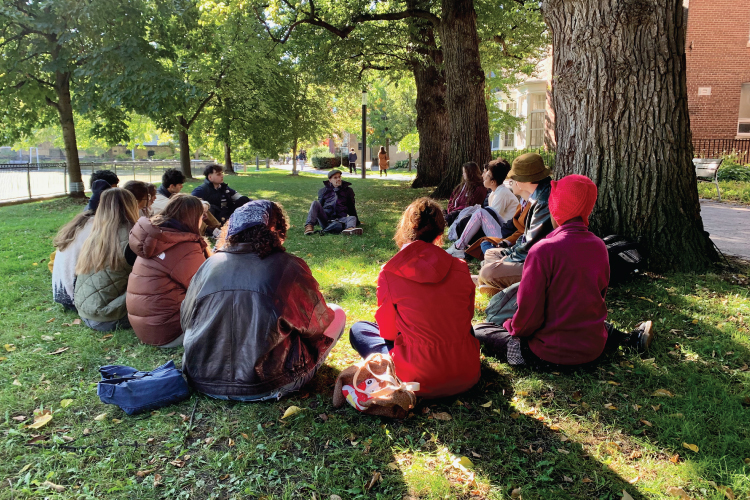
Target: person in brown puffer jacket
170,250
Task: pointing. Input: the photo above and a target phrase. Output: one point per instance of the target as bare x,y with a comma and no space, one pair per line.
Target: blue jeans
365,339
486,245
334,330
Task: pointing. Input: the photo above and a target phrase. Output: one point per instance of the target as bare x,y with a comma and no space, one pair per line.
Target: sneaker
645,335
455,252
488,290
309,229
352,230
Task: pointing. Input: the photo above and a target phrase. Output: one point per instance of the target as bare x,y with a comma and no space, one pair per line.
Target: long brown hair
382,150
139,189
185,209
69,232
103,249
422,220
473,177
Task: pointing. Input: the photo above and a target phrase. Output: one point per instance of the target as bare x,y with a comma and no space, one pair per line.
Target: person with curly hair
256,325
425,306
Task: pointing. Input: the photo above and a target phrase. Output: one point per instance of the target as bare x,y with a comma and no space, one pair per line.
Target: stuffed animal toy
371,386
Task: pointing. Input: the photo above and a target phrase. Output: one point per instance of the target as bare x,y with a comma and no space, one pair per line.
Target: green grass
548,434
733,191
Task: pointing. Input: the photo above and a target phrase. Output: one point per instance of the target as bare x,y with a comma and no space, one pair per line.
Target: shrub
730,171
326,162
321,151
405,163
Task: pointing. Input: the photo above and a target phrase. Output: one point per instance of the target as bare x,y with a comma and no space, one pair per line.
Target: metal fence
719,148
19,181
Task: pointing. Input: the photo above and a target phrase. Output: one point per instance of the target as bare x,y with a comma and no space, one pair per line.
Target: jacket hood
148,241
421,262
99,186
343,184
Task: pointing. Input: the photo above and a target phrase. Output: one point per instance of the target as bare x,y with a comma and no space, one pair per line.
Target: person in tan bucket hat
504,266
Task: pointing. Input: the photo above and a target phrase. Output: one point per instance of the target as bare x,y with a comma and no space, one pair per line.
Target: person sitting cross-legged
334,209
223,199
425,306
561,317
172,181
256,325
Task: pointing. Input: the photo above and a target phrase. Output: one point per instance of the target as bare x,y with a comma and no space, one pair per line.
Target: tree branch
200,108
52,103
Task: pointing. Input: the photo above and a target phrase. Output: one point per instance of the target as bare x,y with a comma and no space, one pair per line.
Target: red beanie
572,196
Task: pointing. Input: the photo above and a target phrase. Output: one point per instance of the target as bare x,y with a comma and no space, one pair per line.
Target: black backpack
624,258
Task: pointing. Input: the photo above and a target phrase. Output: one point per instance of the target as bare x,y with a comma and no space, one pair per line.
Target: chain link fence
24,181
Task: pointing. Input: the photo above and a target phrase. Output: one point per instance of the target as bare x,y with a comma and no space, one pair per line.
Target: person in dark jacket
223,199
469,192
503,266
425,307
334,207
256,325
352,162
170,250
561,317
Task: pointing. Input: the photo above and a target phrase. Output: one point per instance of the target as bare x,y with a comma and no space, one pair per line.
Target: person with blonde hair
170,250
105,262
425,307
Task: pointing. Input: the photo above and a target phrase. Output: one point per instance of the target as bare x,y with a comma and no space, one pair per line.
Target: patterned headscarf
250,214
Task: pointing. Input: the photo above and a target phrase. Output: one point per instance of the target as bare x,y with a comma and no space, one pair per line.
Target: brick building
718,68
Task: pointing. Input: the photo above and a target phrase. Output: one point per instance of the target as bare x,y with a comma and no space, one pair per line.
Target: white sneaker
455,252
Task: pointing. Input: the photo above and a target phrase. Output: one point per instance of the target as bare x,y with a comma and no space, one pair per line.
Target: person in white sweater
501,206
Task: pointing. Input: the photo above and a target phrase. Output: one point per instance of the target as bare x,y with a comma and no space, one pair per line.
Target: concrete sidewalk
371,174
729,227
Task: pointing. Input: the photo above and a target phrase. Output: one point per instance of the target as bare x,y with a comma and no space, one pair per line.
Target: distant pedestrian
383,161
352,162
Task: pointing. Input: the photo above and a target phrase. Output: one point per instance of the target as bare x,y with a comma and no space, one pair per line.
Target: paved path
729,226
371,174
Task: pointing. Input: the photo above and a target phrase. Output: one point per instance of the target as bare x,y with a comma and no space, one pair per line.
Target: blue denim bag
135,391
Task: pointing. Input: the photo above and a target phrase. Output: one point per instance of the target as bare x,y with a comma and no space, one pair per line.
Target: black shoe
645,335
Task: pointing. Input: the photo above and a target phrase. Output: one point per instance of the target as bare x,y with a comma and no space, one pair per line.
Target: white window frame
531,114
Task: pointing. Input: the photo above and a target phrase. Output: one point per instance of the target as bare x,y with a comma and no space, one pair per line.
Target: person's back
69,243
567,316
432,304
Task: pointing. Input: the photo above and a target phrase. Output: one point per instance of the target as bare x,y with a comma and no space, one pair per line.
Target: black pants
352,167
222,214
494,340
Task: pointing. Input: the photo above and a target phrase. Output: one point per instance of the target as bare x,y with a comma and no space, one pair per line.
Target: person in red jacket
425,307
560,321
170,250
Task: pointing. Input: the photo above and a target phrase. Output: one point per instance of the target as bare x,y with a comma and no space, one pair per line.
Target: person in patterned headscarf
256,325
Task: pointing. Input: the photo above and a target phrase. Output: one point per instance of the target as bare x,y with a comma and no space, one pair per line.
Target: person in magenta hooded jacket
560,321
425,307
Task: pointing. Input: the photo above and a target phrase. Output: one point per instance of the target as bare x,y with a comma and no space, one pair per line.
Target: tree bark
65,111
465,96
620,97
184,147
294,157
228,167
432,124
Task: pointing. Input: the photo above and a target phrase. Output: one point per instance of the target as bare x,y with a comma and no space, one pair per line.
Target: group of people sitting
255,325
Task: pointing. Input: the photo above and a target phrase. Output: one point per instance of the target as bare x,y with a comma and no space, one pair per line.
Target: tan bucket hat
529,167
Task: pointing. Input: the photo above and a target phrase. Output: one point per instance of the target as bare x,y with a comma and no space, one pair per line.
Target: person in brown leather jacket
256,325
170,250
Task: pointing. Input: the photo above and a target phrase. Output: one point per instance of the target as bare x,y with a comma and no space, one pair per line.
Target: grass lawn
732,191
678,417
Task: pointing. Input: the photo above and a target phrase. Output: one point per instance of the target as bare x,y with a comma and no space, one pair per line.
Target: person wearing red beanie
561,317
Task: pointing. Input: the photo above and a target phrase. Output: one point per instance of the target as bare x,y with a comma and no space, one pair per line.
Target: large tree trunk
228,167
620,98
465,96
432,115
184,147
65,112
294,157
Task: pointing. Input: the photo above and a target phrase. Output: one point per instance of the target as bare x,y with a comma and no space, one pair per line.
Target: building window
743,124
509,140
496,142
537,113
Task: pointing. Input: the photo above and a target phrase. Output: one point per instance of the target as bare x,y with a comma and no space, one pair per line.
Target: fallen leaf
334,497
50,320
463,462
637,407
625,496
635,454
634,480
323,417
58,351
656,407
690,447
208,440
36,439
157,480
646,422
58,488
610,406
3,358
87,431
230,443
10,347
442,416
675,458
612,382
567,479
373,481
522,393
100,417
724,489
677,492
108,336
48,337
695,322
224,477
487,404
563,451
586,480
292,410
475,454
577,395
515,415
40,421
144,473
77,321
16,382
662,393
516,493
178,463
116,420
24,469
554,427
